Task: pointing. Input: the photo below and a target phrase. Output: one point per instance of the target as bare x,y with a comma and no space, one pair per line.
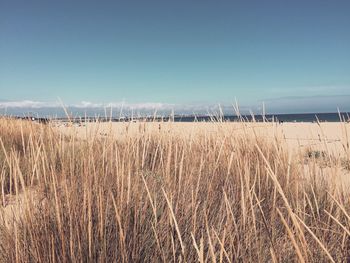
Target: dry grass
156,196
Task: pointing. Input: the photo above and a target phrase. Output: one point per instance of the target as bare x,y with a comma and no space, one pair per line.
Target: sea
300,117
166,116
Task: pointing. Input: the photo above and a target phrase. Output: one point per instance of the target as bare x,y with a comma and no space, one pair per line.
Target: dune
168,191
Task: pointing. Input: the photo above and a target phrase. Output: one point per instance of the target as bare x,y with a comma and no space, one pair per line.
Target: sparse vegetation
346,163
316,154
156,196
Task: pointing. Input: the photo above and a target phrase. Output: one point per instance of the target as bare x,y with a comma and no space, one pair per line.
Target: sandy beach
305,141
124,176
331,137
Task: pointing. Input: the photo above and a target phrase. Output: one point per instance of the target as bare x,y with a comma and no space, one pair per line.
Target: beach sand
330,137
314,151
310,144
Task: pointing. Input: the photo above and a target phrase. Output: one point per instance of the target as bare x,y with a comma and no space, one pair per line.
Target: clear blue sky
174,51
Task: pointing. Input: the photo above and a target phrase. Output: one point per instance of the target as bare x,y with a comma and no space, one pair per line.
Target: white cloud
125,105
121,107
28,104
85,105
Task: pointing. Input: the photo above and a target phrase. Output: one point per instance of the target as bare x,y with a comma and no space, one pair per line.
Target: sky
293,55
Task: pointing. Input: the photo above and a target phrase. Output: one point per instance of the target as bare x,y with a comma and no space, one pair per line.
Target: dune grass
156,196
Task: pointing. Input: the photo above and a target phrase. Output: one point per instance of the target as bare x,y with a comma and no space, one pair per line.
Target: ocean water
305,117
93,114
301,117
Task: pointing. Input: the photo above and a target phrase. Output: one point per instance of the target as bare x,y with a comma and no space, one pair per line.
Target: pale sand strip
325,136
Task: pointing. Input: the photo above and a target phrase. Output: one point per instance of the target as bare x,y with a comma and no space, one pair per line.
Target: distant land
280,118
279,106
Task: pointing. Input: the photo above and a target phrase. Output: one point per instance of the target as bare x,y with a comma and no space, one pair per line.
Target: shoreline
283,117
